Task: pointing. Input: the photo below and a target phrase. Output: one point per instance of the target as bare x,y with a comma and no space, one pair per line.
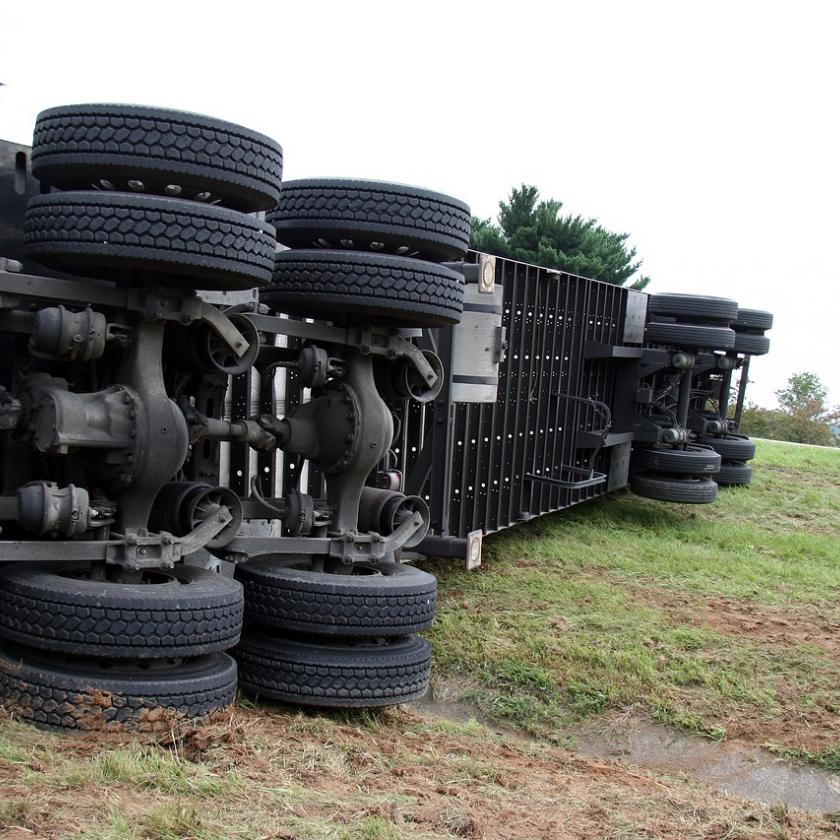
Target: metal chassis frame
139,551
481,468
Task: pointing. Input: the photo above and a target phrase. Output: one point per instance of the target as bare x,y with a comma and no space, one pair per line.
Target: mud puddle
734,768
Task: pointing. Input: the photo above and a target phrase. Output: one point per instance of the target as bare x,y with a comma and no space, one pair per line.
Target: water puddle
736,769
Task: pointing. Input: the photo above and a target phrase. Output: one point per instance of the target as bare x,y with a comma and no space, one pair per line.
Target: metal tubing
742,392
684,398
723,398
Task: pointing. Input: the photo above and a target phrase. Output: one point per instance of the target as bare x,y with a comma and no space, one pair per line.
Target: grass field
721,620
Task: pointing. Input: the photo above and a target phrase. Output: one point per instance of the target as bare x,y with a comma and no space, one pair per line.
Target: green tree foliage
534,231
804,396
778,425
803,415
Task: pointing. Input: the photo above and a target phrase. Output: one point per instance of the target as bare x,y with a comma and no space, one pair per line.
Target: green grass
828,759
173,820
159,770
573,614
155,769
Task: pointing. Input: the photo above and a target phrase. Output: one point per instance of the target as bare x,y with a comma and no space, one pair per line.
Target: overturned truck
229,401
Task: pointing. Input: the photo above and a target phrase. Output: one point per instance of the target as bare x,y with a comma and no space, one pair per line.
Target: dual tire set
699,322
691,473
359,252
750,327
675,474
153,197
341,640
363,251
79,651
691,322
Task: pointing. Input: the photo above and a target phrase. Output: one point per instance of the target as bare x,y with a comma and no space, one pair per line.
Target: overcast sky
709,132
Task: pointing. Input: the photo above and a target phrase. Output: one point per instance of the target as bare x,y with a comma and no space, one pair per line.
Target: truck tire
97,695
185,611
730,447
343,674
160,151
751,345
692,460
369,216
690,336
699,308
733,473
752,319
691,491
129,237
350,286
386,599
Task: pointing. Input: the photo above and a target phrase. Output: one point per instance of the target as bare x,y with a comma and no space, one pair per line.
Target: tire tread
695,307
436,225
669,489
329,604
302,674
45,611
245,167
53,699
691,336
219,248
399,289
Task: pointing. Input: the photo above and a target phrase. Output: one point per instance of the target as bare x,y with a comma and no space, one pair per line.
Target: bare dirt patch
812,728
790,625
773,625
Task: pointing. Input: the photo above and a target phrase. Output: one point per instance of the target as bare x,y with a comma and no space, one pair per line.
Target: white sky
708,131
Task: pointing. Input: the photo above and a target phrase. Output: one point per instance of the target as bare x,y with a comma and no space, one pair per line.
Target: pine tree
534,231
